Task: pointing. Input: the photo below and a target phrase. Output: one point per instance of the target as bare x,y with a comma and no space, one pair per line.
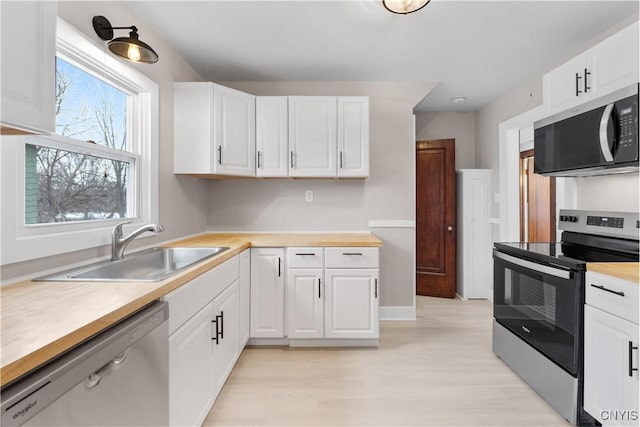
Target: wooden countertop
41,320
623,270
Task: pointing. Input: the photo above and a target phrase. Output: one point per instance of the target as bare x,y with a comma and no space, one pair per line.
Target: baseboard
398,313
327,342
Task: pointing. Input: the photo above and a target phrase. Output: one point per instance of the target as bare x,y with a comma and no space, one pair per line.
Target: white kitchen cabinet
191,381
214,130
225,346
203,341
28,37
272,137
353,136
351,307
312,136
608,66
267,293
473,234
611,350
305,303
244,296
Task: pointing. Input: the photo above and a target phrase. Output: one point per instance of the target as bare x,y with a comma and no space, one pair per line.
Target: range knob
573,219
563,218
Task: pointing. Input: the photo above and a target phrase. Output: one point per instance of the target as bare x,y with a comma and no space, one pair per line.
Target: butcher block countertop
41,320
623,270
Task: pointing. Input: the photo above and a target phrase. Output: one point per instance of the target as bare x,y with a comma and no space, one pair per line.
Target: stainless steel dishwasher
117,378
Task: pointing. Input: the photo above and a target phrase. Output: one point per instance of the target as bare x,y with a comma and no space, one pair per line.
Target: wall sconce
130,48
404,7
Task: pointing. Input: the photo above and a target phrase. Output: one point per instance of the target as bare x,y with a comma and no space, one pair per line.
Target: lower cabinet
267,292
351,304
611,351
305,303
204,341
244,295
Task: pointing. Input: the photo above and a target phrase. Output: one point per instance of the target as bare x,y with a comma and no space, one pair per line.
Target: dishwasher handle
94,379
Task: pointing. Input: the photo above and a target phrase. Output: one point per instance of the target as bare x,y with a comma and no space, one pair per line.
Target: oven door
541,304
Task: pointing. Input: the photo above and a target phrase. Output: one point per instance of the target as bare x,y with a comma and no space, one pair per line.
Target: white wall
182,200
460,126
340,205
609,193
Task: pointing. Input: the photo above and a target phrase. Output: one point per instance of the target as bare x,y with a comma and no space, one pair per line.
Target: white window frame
22,242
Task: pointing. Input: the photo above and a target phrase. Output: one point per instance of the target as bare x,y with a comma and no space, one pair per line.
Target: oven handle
563,274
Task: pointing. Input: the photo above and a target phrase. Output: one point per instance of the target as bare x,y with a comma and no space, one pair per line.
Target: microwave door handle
605,147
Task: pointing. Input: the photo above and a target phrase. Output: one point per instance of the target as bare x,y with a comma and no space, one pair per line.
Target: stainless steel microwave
599,137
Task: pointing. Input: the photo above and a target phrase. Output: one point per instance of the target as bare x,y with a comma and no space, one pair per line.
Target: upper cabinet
608,66
28,84
214,130
272,137
312,136
353,136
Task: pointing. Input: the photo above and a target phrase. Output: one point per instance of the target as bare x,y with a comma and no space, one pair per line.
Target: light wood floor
436,371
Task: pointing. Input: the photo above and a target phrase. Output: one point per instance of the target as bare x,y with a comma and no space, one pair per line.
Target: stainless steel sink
151,265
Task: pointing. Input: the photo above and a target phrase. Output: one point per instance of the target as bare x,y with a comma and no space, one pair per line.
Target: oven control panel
605,221
613,224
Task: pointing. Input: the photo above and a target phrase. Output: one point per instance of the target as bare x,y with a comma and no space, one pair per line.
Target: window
99,168
64,185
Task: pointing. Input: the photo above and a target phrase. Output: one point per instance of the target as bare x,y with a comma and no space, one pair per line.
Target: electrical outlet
308,196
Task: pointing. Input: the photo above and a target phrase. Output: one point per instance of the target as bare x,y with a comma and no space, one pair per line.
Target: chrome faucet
119,243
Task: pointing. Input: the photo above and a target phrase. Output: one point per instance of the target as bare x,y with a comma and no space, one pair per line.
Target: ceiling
476,49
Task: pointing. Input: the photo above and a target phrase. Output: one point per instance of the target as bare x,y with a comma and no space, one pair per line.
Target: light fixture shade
404,7
133,49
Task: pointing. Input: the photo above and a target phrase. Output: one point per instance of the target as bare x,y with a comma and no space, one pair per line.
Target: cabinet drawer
188,299
351,257
616,296
305,257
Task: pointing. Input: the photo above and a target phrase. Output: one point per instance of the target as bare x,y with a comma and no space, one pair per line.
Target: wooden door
537,203
436,218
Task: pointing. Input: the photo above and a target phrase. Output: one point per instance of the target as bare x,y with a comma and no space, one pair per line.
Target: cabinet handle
279,266
578,91
631,368
586,81
219,154
291,152
352,253
319,292
259,154
221,324
340,159
602,288
305,254
215,338
376,287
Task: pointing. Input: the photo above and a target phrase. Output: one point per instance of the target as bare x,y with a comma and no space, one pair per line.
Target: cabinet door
28,37
351,307
608,387
305,303
234,131
613,63
272,138
267,293
562,89
225,348
244,297
353,136
312,136
191,383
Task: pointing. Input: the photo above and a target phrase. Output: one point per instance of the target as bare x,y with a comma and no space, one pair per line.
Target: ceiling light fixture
404,7
458,100
130,48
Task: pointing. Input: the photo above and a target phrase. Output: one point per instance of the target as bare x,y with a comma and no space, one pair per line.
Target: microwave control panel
626,118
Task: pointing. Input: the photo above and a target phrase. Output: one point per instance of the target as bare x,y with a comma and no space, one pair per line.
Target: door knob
450,228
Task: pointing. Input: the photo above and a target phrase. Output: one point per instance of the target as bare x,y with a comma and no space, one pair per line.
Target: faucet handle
117,230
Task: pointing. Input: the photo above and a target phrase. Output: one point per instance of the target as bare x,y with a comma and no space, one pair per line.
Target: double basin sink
151,265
